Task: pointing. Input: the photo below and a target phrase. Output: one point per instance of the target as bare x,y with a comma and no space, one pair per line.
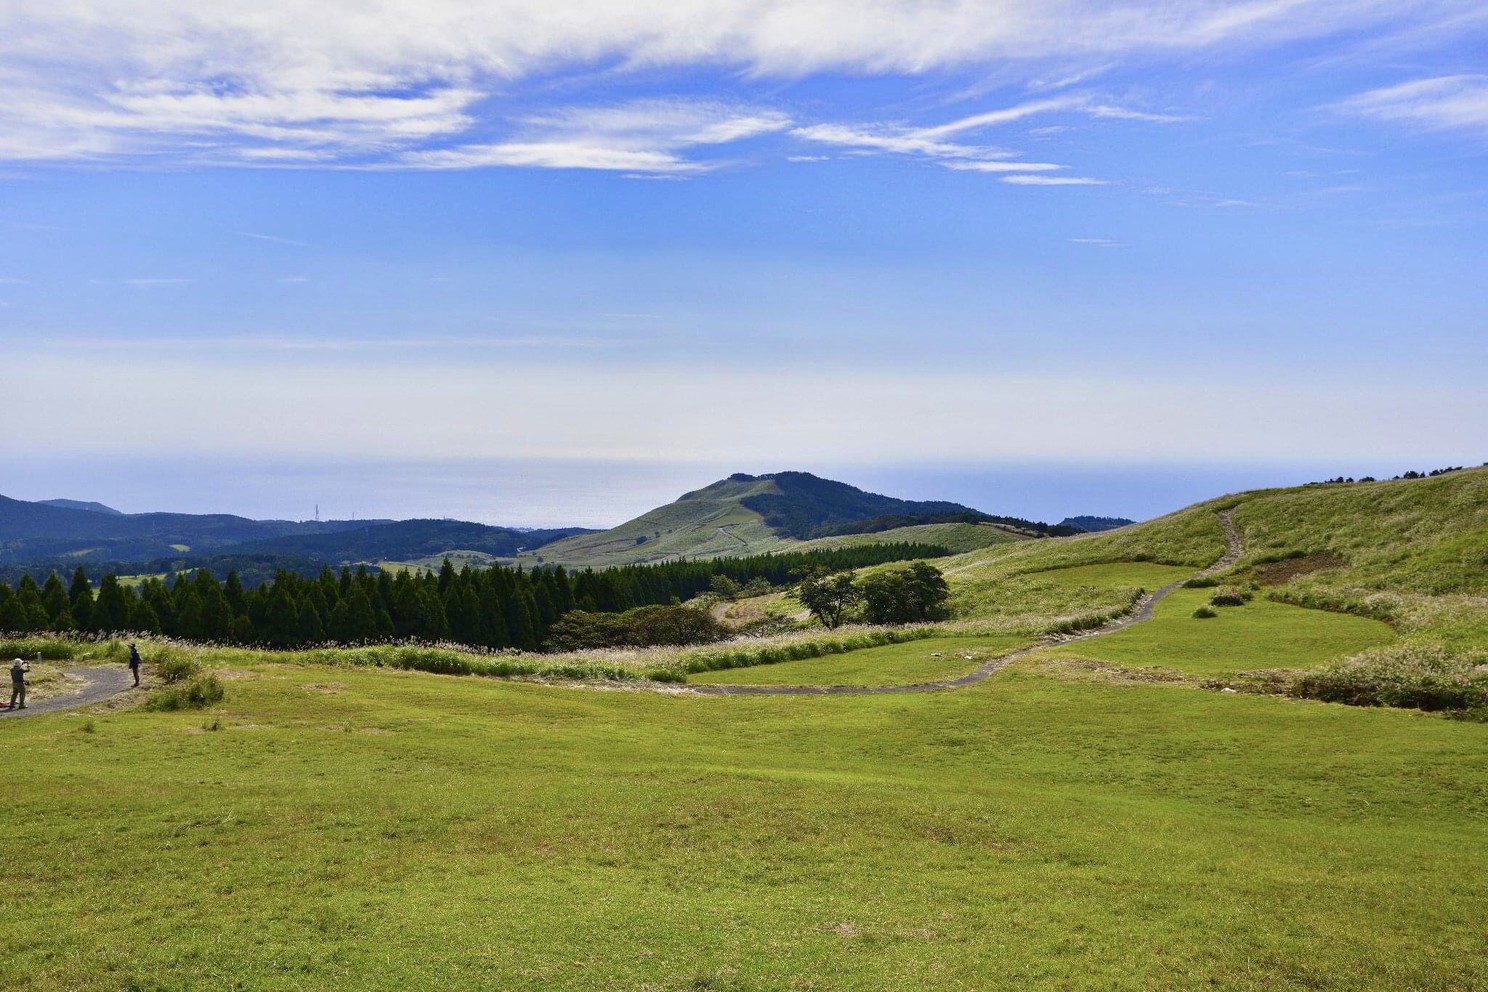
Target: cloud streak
645,136
1440,103
431,83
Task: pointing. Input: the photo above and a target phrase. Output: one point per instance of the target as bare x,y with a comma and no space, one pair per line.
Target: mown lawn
1260,634
932,660
370,829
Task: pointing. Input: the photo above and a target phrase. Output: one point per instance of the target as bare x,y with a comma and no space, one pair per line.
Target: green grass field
362,829
341,823
1258,635
933,660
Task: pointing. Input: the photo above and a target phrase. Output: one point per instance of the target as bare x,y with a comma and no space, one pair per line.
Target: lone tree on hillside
912,594
828,595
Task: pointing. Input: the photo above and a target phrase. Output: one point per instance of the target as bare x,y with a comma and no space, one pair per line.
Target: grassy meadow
1091,817
372,829
1259,635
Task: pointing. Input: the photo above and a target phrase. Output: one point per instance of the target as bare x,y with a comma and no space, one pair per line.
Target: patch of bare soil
1280,572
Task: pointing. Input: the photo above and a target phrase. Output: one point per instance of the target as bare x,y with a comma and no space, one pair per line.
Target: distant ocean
547,493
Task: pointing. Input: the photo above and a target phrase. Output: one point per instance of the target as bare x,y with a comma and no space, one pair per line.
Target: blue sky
923,242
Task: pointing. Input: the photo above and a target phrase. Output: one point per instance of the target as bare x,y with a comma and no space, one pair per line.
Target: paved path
102,683
1141,613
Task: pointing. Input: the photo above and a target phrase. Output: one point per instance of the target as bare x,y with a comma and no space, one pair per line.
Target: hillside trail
99,684
1140,613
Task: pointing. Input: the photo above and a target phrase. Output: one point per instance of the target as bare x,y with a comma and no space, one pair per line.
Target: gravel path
102,684
1143,612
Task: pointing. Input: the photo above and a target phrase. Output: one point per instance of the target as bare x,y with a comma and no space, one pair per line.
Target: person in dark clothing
18,670
134,663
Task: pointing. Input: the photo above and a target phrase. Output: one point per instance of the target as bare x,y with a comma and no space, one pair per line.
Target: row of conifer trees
495,607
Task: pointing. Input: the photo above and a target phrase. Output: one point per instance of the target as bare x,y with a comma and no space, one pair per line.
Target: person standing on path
134,664
18,670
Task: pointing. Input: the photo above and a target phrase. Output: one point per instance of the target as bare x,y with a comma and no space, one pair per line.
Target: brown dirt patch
1280,572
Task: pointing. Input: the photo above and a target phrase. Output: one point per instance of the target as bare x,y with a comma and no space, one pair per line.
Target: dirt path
100,684
1142,612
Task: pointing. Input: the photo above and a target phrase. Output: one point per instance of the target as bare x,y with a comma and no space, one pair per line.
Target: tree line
497,607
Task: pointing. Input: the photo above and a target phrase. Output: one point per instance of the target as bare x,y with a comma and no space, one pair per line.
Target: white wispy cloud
1439,103
931,142
643,136
1036,180
1016,166
283,82
1098,242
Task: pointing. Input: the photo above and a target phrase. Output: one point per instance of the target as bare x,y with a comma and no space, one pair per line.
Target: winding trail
1141,613
100,684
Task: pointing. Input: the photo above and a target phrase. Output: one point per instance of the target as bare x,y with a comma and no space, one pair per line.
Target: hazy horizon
538,493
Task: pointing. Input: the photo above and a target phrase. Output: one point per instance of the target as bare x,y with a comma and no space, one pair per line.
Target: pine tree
217,615
281,623
311,630
80,594
232,589
14,617
143,618
352,619
111,609
58,606
189,621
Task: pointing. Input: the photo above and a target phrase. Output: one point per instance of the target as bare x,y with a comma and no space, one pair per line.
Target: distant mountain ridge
404,540
31,529
803,506
77,504
66,533
780,511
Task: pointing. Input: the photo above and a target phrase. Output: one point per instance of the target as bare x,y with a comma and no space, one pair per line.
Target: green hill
1410,552
785,511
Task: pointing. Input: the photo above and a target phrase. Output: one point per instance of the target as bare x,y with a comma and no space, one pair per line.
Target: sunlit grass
1260,634
370,829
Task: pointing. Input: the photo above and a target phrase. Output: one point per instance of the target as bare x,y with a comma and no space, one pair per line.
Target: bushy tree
913,594
828,595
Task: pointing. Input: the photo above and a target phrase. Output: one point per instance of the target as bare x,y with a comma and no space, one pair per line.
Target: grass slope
955,537
1258,635
374,830
710,522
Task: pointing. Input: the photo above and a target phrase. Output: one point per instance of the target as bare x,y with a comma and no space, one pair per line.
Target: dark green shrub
645,626
1201,582
1204,613
1231,596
